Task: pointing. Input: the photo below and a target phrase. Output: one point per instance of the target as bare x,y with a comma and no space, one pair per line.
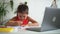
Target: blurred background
36,8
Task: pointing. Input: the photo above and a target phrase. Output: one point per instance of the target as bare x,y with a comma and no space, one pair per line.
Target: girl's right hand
14,23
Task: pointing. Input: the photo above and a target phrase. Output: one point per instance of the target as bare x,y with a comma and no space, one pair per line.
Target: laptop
51,20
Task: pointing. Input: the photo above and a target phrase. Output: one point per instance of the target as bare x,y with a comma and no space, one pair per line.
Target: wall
36,9
58,3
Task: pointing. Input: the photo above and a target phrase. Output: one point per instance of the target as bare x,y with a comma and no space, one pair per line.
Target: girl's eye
23,16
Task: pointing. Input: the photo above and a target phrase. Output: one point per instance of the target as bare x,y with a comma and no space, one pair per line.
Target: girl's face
22,16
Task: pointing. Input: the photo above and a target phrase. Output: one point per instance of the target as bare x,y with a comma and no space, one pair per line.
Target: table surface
21,31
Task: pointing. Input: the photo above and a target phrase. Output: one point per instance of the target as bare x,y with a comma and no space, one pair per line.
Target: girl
22,18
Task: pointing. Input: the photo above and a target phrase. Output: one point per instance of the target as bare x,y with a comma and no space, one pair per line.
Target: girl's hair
21,8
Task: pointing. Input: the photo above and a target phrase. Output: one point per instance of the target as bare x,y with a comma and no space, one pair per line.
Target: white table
32,32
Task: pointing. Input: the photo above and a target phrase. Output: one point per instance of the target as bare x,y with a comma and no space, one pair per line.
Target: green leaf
11,3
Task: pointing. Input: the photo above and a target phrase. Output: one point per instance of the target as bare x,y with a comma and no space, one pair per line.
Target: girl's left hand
33,24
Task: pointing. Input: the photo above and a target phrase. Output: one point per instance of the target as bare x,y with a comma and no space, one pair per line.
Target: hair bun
25,3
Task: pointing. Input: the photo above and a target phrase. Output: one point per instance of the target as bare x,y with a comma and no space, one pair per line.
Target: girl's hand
33,24
13,23
2,26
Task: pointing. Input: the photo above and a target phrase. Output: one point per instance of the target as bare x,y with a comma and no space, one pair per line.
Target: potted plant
3,10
